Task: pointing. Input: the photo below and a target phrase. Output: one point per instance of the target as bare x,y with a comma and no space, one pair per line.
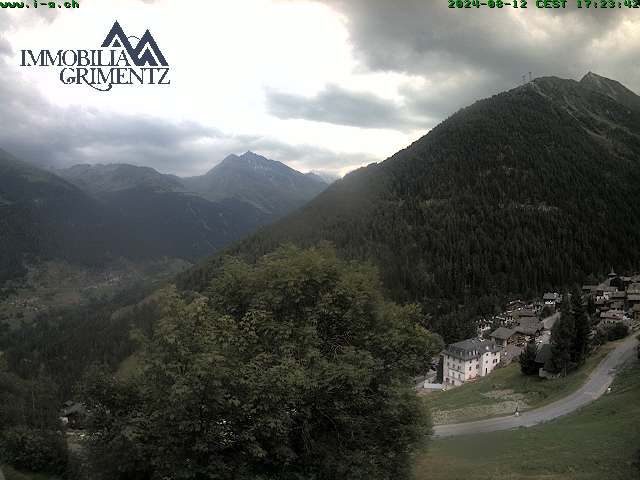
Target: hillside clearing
499,393
600,441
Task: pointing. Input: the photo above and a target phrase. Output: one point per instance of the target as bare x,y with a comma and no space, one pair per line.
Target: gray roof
550,296
634,287
608,289
529,326
503,333
73,409
634,298
544,353
526,312
473,348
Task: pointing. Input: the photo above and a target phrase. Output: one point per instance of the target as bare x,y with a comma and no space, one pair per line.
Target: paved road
597,384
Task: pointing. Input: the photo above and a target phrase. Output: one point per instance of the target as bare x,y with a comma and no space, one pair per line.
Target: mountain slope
97,179
42,215
181,225
529,189
271,186
611,88
127,211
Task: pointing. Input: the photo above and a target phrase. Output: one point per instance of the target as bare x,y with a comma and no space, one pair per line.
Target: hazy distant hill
271,186
532,188
181,225
97,179
324,177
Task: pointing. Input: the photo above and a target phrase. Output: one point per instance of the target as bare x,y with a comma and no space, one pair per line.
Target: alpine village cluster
612,308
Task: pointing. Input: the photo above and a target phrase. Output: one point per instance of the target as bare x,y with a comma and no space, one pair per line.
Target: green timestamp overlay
544,3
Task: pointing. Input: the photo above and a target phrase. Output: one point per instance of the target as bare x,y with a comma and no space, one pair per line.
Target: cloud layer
437,60
465,54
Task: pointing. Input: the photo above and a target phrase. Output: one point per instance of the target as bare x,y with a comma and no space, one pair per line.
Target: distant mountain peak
324,177
250,154
270,185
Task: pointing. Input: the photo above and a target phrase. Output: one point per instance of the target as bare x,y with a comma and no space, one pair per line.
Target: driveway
597,384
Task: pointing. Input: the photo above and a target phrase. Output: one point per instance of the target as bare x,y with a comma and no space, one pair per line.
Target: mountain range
531,189
93,213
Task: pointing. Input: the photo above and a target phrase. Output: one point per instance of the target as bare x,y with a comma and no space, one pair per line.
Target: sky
319,85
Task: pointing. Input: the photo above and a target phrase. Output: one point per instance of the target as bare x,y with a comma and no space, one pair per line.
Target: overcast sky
328,85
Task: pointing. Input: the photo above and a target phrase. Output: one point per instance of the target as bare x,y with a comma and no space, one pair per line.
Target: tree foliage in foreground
30,436
292,368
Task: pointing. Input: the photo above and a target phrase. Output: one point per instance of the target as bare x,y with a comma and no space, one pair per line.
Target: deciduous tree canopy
293,368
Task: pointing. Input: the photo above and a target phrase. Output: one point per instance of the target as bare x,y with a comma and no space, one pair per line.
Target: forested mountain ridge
43,215
529,189
99,179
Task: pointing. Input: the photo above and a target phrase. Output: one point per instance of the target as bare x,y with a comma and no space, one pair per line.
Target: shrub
616,331
34,450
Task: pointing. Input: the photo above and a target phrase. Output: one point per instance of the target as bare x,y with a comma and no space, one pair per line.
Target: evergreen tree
528,364
562,339
582,329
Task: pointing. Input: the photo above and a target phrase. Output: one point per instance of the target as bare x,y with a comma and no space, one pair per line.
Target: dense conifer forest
525,191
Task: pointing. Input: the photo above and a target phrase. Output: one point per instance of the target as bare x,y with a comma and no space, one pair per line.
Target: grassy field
599,442
499,393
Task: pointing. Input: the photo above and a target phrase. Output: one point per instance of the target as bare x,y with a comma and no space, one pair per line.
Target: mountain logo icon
146,51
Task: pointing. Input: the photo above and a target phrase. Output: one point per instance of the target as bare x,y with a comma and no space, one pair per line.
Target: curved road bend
597,384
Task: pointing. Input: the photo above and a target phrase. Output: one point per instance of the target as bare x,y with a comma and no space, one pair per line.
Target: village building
636,312
528,328
469,360
503,336
73,414
605,290
515,305
612,316
551,301
618,295
633,289
633,300
616,305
